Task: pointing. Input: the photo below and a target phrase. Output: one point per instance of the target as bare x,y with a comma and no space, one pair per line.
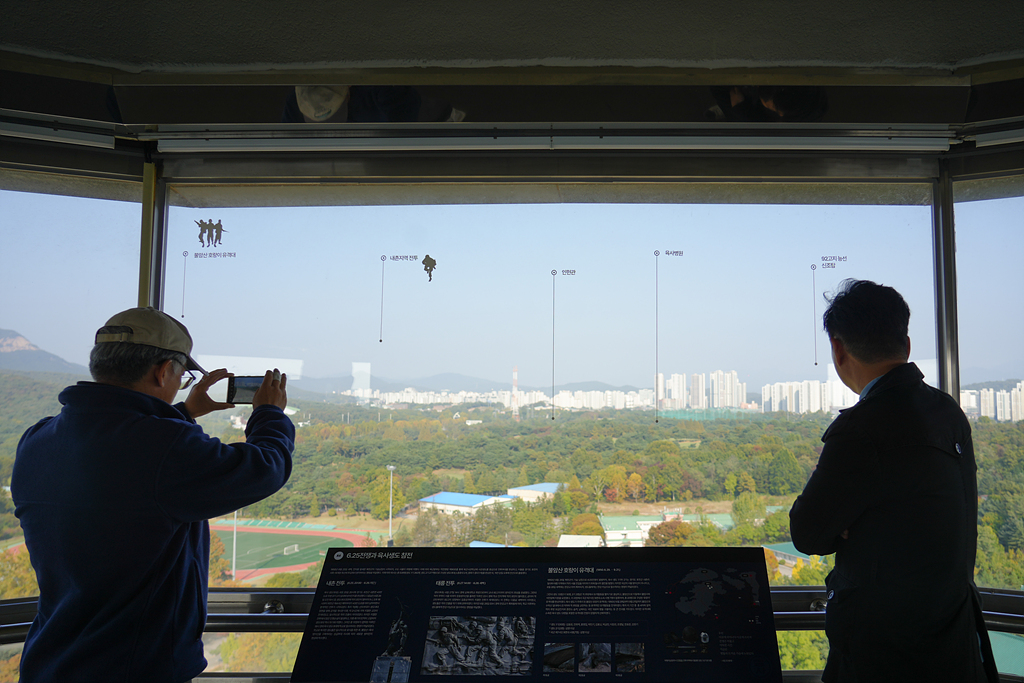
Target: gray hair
124,363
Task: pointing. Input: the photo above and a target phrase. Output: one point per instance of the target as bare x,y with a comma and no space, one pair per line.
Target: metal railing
270,610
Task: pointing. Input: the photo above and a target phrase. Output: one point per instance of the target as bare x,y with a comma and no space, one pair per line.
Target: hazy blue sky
305,283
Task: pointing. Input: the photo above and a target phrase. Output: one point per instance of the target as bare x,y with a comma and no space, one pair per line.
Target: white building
676,390
698,391
535,492
987,403
1004,413
579,541
726,389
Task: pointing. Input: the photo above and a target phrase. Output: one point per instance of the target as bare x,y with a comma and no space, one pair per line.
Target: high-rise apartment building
698,391
1004,412
726,389
676,391
987,401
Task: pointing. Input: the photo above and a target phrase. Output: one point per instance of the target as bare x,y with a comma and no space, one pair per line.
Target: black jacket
113,495
898,474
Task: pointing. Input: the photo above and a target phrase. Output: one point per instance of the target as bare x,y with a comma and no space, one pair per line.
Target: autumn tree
635,487
10,669
260,651
17,578
671,533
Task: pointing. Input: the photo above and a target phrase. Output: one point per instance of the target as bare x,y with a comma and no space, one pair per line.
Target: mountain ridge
19,354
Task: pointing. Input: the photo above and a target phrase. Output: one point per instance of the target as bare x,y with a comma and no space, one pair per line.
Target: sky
308,286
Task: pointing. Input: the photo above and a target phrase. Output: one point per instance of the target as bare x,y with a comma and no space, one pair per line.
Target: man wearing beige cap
113,495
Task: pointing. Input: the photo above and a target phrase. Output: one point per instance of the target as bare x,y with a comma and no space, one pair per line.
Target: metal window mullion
944,251
153,240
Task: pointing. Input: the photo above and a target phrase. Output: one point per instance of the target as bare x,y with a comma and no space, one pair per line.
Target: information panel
549,614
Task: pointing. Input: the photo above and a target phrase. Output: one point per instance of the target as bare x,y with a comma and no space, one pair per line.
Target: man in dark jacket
894,496
113,495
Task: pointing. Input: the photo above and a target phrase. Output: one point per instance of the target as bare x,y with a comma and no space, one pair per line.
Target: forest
608,456
602,457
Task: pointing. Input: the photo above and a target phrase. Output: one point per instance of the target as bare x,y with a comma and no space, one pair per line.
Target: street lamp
391,501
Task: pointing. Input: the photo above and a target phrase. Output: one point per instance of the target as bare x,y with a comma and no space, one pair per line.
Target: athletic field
268,551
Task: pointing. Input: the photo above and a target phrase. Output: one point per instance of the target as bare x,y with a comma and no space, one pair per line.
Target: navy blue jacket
897,472
113,495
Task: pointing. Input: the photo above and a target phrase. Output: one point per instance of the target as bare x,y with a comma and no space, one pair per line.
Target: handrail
247,610
274,610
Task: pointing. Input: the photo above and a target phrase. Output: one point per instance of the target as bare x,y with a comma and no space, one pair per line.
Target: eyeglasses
186,382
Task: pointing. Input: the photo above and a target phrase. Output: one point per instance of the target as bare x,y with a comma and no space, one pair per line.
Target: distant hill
18,353
998,385
25,398
327,385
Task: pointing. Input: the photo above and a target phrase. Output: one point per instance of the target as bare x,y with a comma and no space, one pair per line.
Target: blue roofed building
535,492
465,503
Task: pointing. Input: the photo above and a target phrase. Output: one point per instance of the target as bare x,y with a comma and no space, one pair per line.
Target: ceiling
913,61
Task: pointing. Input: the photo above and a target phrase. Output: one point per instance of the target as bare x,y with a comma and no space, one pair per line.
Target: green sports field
267,551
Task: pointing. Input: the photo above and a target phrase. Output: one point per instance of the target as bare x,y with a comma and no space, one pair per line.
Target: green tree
730,482
803,649
776,527
381,502
260,651
486,484
785,475
746,508
813,573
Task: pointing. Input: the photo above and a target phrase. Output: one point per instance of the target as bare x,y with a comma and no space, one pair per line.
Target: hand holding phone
199,402
272,390
243,389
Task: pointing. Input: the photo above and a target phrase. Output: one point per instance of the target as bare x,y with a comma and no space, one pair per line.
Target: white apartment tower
1003,411
698,391
676,389
987,399
726,389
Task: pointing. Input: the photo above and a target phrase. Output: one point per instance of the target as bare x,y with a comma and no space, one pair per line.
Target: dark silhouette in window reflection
365,104
767,103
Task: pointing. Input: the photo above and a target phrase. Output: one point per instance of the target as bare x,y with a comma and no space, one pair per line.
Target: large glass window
989,239
668,363
69,264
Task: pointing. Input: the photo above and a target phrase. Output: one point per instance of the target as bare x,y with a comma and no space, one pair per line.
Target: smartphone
242,389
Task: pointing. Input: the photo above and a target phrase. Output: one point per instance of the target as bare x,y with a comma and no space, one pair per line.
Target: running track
243,575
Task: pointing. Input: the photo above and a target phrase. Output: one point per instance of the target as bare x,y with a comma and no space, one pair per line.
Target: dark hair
870,320
124,363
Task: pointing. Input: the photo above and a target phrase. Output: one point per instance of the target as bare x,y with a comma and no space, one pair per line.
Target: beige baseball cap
151,327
